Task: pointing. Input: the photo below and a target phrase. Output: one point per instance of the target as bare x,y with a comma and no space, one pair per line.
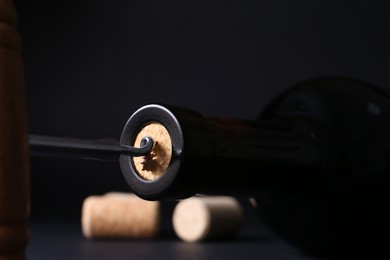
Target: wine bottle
315,163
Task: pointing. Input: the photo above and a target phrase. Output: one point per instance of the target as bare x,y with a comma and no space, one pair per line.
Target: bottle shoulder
347,120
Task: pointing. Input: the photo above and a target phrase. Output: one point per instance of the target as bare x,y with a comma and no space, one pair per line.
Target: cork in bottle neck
153,166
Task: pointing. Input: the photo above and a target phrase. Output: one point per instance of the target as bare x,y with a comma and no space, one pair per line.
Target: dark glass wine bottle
315,163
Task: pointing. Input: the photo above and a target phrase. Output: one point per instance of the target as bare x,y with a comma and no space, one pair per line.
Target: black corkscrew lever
100,149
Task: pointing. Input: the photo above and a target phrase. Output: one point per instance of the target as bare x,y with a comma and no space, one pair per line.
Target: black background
91,64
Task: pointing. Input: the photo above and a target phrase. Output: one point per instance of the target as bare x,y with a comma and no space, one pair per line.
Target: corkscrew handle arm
101,149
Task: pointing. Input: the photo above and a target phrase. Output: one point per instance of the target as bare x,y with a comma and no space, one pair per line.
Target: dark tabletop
62,239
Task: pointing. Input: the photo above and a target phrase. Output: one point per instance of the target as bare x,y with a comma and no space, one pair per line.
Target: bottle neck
261,142
221,156
253,158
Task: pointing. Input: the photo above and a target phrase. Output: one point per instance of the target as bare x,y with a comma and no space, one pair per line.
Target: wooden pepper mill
14,158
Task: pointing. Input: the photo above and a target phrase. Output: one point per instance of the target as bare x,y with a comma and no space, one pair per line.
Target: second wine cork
201,218
120,215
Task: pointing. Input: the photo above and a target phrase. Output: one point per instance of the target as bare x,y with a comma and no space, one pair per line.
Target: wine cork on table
201,218
120,215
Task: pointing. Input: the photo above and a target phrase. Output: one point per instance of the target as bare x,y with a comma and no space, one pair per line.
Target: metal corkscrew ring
161,167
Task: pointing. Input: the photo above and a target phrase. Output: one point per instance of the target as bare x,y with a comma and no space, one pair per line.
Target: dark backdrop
91,64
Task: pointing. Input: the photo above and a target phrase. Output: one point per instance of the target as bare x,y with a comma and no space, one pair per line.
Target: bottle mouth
152,175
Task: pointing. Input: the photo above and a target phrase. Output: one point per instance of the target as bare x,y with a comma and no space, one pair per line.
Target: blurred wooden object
14,160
